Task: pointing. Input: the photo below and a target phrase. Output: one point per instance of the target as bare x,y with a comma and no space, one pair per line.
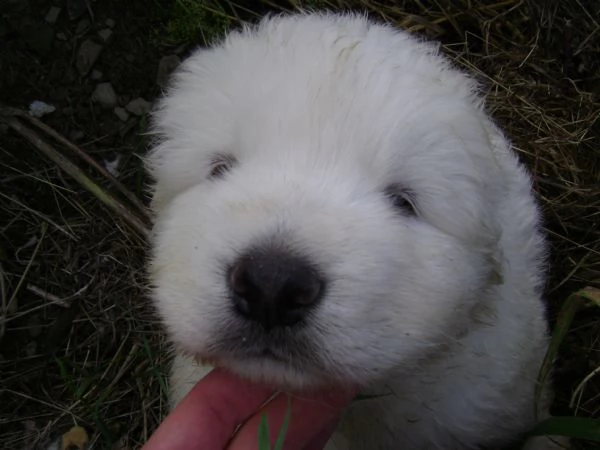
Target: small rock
82,26
38,108
110,23
105,34
88,54
52,15
138,106
113,166
96,75
166,65
121,113
105,95
61,36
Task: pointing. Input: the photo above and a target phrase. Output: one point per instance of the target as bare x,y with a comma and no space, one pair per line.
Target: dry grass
78,341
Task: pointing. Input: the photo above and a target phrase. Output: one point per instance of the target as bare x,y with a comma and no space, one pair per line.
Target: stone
113,166
39,109
110,23
166,66
88,54
138,106
121,113
52,15
105,34
105,95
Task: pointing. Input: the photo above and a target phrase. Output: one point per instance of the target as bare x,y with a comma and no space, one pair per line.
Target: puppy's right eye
220,166
401,199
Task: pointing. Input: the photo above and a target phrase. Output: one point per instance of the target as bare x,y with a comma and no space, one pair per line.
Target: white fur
441,312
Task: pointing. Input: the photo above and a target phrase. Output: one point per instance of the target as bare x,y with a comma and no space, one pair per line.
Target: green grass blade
263,434
565,317
574,427
284,426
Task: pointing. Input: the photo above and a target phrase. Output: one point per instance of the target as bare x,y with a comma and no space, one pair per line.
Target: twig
47,296
74,171
9,111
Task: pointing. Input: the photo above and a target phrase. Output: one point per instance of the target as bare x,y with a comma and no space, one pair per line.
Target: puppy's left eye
220,165
400,199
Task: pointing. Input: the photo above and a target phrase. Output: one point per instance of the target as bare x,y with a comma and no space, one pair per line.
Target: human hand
209,415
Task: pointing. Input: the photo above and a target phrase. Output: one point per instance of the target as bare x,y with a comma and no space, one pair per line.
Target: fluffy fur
438,313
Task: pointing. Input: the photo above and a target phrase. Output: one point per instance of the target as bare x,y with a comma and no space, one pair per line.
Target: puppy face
325,195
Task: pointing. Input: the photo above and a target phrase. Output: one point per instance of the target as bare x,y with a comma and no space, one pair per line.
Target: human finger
208,416
312,416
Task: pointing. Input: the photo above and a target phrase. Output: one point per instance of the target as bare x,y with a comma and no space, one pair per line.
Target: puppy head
324,196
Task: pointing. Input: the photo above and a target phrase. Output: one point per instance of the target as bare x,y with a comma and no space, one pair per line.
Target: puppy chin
276,374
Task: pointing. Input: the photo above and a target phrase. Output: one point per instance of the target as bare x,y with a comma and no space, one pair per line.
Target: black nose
274,287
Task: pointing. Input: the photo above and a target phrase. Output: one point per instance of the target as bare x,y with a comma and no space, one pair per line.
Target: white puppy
333,205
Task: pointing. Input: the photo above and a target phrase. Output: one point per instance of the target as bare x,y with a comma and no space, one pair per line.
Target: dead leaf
75,438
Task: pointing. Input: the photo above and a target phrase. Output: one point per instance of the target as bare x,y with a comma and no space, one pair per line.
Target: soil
79,344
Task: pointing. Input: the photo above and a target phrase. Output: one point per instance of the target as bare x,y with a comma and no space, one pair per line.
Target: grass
264,442
192,21
79,345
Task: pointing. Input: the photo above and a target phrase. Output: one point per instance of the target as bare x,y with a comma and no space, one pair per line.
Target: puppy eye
220,165
400,199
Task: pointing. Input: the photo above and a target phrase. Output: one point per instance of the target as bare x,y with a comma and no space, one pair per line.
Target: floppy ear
161,165
466,199
515,183
174,163
155,189
182,140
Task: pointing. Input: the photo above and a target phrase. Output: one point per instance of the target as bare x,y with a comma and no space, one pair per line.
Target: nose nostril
239,280
306,293
274,288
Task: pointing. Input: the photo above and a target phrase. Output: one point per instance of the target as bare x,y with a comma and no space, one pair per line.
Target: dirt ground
79,343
